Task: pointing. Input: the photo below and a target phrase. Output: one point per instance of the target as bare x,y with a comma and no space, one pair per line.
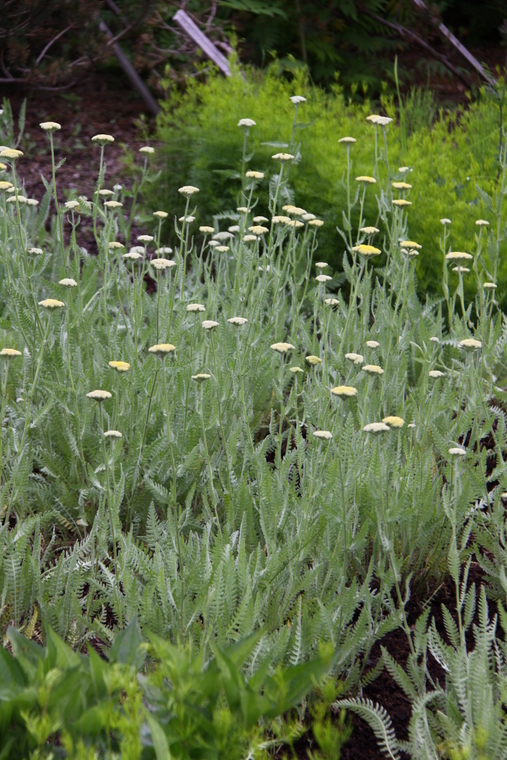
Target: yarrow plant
245,470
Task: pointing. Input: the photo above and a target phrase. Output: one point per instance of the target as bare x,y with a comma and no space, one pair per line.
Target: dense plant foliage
54,700
223,440
453,160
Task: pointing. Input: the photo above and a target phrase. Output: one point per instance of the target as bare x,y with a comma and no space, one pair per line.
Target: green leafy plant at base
57,703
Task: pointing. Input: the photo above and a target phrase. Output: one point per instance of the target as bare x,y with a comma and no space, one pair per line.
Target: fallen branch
414,37
457,44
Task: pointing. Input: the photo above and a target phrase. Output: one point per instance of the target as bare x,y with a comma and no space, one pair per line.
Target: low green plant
57,703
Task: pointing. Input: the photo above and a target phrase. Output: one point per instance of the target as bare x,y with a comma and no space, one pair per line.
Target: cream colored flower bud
50,126
393,421
51,303
376,427
102,139
188,190
282,348
161,349
344,390
99,395
313,360
238,321
325,434
120,366
283,157
373,369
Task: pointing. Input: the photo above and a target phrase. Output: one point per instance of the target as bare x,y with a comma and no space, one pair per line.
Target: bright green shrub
201,143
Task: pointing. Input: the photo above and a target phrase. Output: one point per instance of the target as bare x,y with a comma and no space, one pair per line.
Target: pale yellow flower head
4,185
254,175
112,434
120,366
297,99
209,324
445,221
325,434
281,220
295,223
113,204
368,230
463,270
401,186
99,395
313,360
161,264
323,278
114,244
51,303
435,373
164,249
347,140
188,190
367,250
316,222
321,264
250,238
161,349
201,377
247,123
238,321
411,244
372,343
283,157
258,229
36,251
482,223
457,451
133,255
102,139
196,307
295,370
489,285
50,126
470,343
206,229
366,180
401,202
344,390
434,339
331,301
373,369
147,149
145,238
376,427
105,193
355,358
260,219
282,348
68,282
393,421
161,214
10,353
458,256
222,248
11,153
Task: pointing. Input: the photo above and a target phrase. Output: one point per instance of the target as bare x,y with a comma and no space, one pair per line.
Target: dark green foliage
54,700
